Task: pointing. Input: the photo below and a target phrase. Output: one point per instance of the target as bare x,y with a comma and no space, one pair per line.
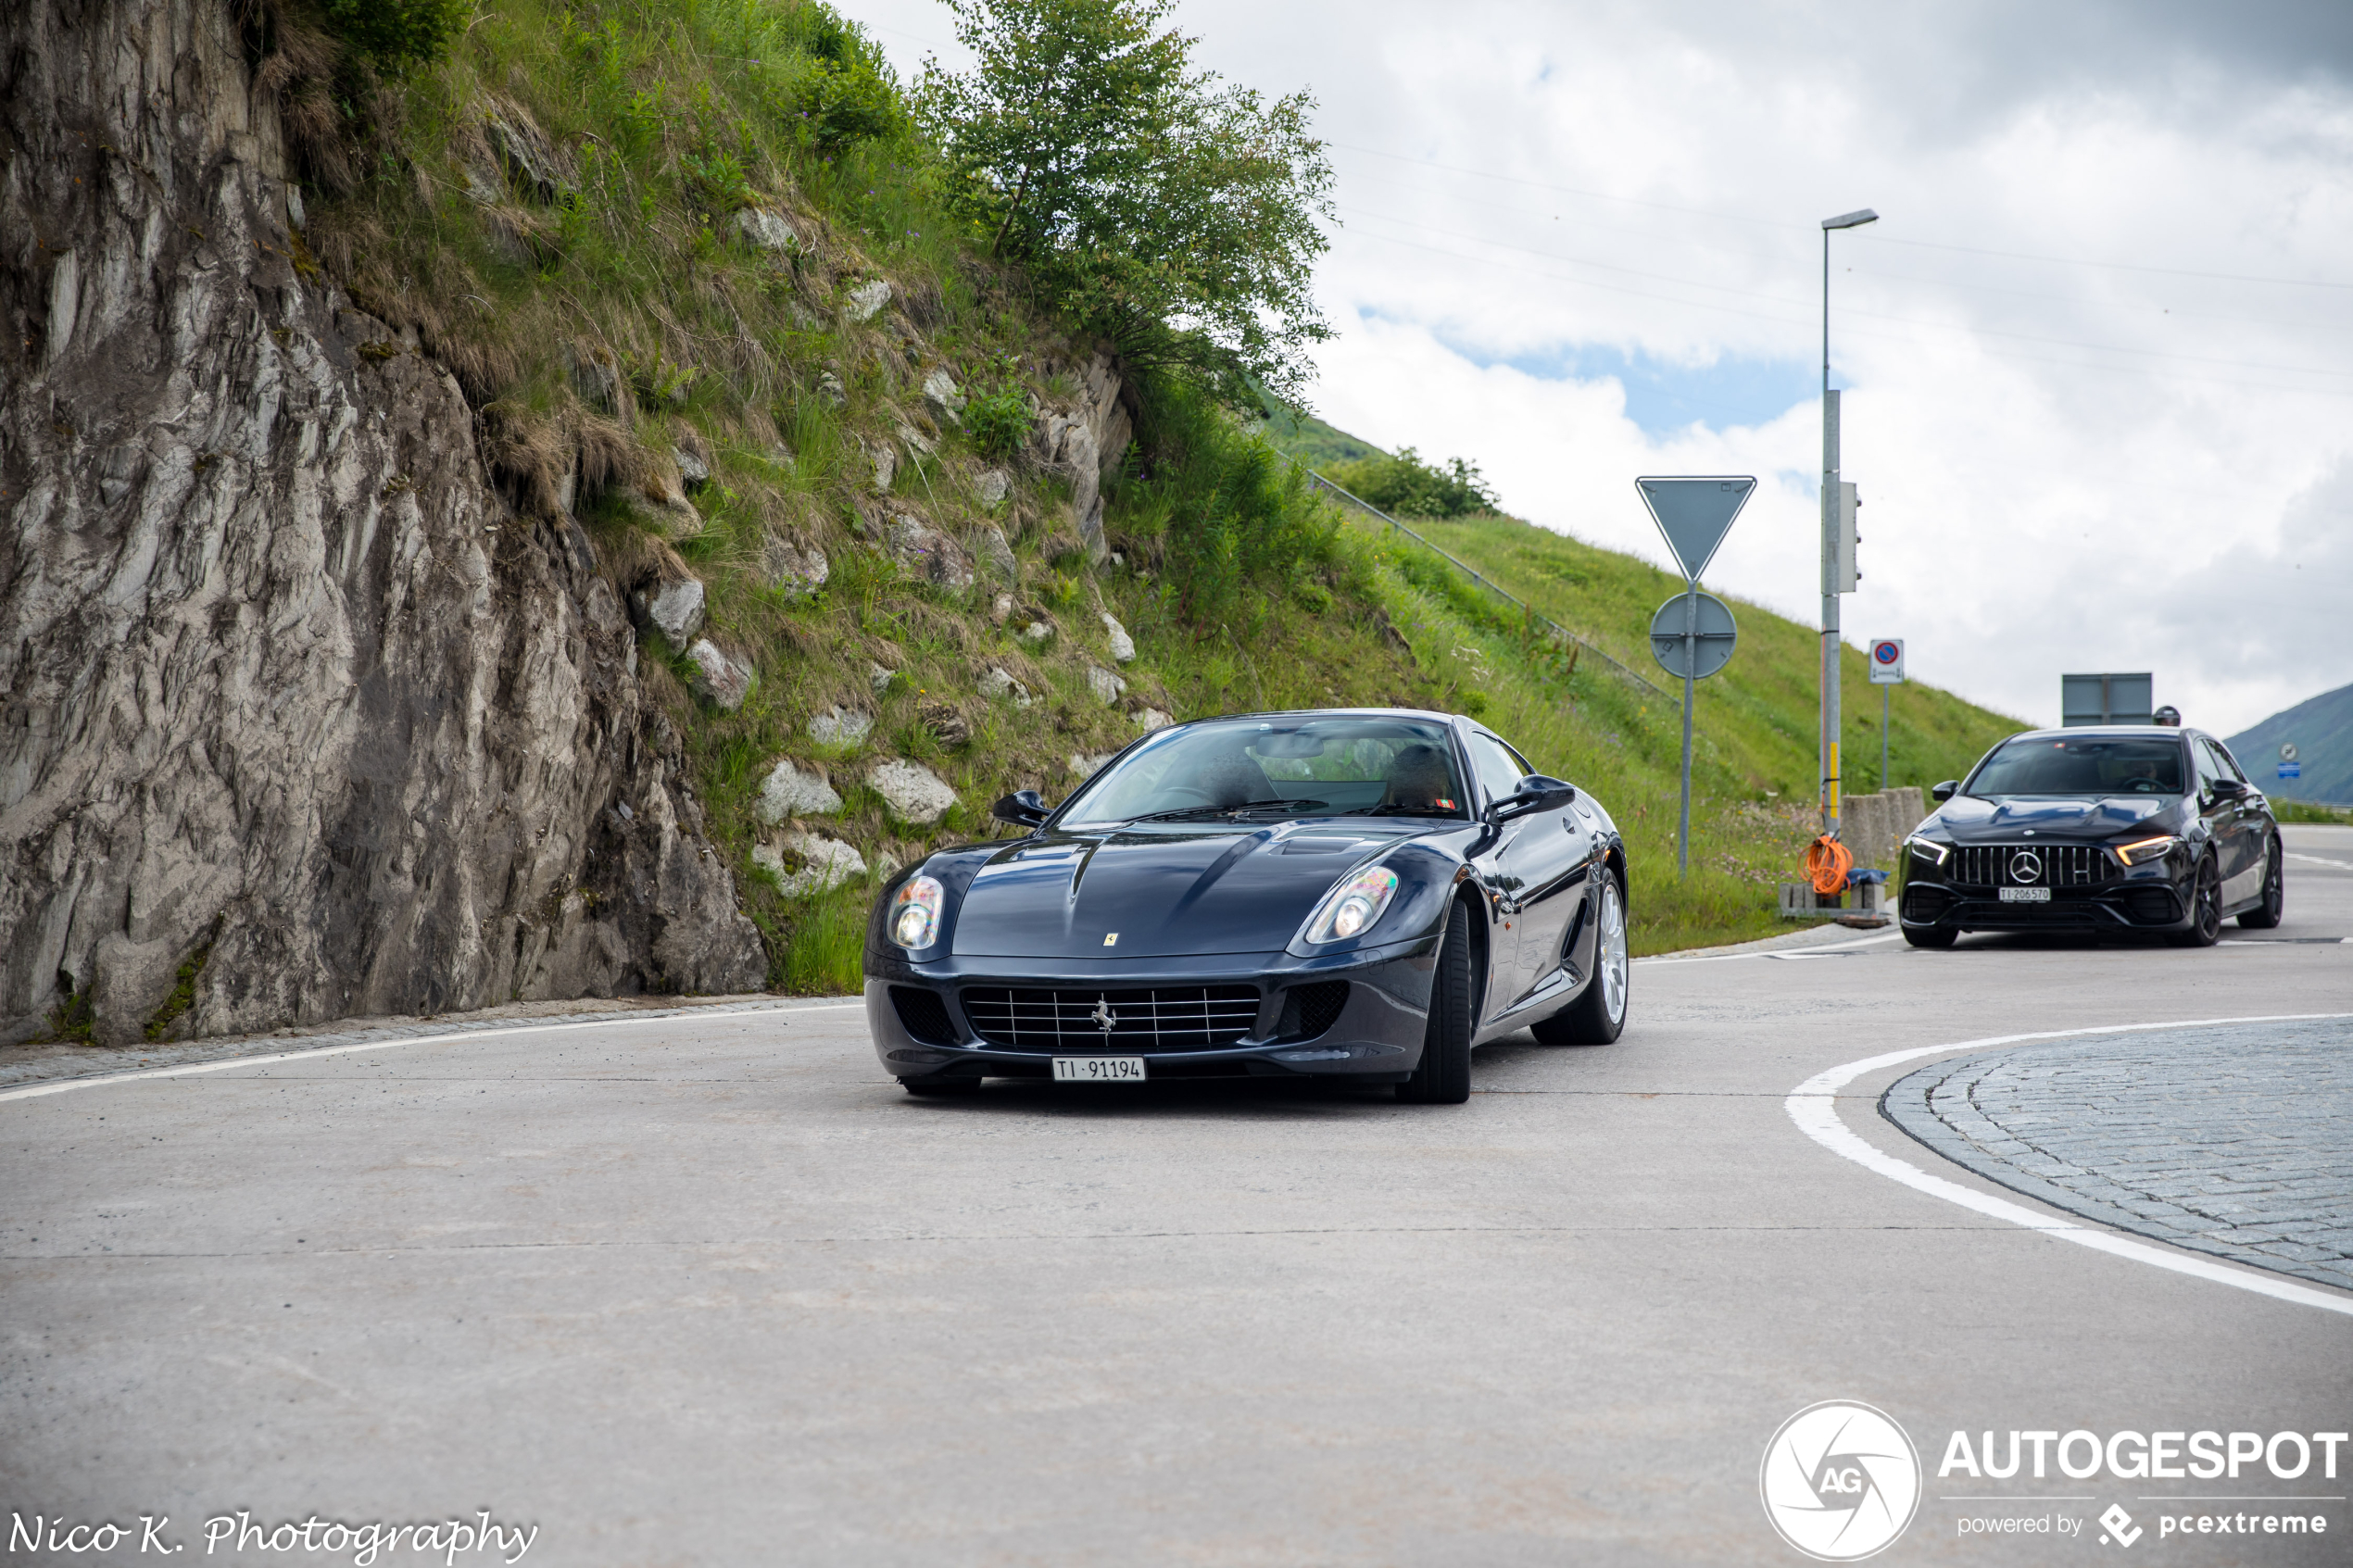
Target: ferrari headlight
2140,852
1929,849
914,913
1352,908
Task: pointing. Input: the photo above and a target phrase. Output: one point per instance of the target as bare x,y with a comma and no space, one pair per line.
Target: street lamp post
1829,745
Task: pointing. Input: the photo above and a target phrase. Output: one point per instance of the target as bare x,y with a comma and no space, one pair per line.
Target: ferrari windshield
2090,765
1262,769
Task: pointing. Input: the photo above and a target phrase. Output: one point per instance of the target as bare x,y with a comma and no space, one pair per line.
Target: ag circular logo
1839,1481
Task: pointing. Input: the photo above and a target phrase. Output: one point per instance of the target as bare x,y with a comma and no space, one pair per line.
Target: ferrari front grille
1173,1018
2031,865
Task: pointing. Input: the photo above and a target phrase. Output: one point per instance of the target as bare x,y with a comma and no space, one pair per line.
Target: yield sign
1696,514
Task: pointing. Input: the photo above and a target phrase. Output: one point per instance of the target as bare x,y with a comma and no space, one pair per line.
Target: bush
398,34
1406,485
1232,515
998,416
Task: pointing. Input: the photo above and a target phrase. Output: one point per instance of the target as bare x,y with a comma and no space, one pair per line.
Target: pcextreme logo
1841,1481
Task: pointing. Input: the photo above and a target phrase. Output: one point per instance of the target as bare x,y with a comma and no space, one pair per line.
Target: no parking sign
1887,661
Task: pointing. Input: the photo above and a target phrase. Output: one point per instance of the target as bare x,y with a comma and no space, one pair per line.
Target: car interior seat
1419,780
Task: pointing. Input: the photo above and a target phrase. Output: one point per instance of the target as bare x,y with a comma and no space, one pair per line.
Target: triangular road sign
1696,514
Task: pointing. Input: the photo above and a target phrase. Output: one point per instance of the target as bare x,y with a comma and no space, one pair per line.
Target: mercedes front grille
2031,865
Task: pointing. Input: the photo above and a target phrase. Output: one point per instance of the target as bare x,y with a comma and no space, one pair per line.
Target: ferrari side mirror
1946,791
1536,792
1023,808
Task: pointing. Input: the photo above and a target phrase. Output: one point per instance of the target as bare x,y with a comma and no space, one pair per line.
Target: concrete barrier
1873,827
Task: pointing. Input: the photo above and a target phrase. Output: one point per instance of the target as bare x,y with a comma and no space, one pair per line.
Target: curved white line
1813,1105
32,1091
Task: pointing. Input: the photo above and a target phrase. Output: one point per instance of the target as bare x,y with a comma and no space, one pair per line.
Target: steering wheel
1200,795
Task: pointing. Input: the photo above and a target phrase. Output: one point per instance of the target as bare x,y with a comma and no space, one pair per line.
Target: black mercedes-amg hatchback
2116,828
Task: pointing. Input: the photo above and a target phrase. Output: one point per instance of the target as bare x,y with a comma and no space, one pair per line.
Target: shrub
1406,485
398,34
997,415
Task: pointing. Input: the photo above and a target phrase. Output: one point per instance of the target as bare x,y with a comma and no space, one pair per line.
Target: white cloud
2065,466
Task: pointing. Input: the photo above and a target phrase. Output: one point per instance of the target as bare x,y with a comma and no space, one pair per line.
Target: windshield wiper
1181,812
1399,810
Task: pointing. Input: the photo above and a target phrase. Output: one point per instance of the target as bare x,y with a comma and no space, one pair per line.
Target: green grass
1754,747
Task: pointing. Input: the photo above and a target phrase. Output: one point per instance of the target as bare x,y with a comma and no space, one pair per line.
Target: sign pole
1694,513
1690,662
1886,694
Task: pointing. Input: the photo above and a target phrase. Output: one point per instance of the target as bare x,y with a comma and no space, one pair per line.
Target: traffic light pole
1830,529
1830,581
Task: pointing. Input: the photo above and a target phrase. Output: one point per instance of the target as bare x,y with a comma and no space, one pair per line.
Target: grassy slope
638,263
1753,742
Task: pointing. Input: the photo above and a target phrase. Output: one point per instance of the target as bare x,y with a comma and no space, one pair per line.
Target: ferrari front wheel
1443,1077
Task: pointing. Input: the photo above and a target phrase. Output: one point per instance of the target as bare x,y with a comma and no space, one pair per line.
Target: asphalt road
711,1290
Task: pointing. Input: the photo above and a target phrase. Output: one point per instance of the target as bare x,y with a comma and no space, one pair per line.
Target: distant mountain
2322,730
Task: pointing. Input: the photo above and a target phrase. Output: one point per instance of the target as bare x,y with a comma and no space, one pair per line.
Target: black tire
2266,915
1598,1016
1443,1077
2206,910
930,1088
1929,935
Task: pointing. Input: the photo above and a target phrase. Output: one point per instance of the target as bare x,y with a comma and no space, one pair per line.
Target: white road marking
1813,1105
32,1091
2318,860
1781,953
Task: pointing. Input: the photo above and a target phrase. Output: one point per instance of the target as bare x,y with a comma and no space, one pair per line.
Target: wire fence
1533,616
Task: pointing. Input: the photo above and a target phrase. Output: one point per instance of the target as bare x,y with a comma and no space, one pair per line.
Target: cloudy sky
2097,355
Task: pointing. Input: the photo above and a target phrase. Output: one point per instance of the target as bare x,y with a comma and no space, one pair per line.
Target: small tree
1161,207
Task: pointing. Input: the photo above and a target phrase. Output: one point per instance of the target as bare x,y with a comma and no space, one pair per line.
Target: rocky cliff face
289,696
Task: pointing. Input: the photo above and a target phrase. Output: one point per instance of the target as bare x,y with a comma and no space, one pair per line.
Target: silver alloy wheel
1612,955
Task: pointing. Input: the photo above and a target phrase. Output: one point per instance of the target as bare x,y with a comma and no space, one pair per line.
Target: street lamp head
1851,219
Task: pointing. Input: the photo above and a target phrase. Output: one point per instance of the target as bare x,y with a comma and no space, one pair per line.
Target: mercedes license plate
2015,895
1099,1069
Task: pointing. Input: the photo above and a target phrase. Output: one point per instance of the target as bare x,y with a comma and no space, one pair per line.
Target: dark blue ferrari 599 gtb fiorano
1362,894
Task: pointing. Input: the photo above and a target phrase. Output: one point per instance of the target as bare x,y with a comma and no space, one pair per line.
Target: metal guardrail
1531,611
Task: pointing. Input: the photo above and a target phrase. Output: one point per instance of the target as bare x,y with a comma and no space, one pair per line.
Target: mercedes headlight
2141,851
1352,908
1929,849
914,913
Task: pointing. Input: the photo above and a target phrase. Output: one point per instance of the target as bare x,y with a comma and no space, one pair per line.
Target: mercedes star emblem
2025,867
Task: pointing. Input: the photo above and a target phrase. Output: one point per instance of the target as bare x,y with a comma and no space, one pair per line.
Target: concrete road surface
712,1290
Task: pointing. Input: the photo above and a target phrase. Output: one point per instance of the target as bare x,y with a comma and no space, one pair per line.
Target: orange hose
1827,861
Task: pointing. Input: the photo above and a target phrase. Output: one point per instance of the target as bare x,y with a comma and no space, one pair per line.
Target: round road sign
1714,635
2287,751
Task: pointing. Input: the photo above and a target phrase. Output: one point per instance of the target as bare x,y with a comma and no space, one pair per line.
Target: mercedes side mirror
1536,792
1022,808
1946,791
2227,789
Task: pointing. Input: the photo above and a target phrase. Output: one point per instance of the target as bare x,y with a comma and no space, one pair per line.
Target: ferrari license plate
1099,1069
2026,894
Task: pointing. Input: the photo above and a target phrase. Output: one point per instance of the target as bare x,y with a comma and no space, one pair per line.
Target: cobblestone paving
2237,1140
